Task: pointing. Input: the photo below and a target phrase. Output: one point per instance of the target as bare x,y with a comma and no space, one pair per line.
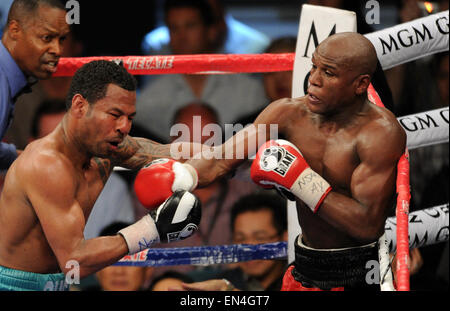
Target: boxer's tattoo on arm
104,168
136,152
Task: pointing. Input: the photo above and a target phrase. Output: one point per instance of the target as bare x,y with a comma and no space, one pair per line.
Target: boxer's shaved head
350,49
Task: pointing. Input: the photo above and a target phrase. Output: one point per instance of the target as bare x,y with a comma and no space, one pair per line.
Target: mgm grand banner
426,128
410,41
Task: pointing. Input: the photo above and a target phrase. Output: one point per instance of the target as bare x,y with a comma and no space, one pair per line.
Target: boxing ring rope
392,50
402,212
389,53
435,231
402,209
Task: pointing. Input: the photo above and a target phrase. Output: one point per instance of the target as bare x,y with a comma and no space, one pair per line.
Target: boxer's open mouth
114,144
313,99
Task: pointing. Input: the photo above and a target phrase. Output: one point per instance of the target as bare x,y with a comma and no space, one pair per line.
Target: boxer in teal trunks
50,189
16,280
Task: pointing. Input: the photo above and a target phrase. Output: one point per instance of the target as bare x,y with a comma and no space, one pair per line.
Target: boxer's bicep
373,186
59,213
373,181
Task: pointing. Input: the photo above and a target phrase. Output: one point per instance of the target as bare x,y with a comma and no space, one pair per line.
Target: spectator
121,278
255,219
26,57
169,280
277,84
232,96
115,202
192,122
47,116
217,198
230,37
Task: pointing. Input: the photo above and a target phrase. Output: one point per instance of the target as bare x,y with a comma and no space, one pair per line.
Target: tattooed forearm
136,152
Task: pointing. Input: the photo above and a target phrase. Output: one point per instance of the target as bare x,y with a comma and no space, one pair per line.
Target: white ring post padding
386,275
316,24
426,128
426,227
412,40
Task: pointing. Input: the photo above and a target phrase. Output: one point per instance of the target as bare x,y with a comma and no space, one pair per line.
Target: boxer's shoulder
379,121
282,110
42,158
290,103
381,131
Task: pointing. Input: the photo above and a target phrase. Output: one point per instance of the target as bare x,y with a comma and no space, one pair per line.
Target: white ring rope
412,40
426,227
426,128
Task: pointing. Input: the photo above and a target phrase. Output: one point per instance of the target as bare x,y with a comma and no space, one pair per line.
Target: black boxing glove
176,219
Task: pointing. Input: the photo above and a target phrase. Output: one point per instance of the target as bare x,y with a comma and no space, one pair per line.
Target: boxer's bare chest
328,149
91,182
331,151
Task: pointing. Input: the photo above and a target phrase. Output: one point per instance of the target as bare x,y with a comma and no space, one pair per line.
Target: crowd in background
234,209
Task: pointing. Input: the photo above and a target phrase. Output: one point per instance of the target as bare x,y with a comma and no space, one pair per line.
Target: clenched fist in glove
176,219
280,164
159,179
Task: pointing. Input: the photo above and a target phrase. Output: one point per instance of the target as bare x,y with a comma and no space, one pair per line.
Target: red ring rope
402,210
193,64
251,63
402,213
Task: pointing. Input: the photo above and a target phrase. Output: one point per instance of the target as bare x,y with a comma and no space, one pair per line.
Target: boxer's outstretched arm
219,161
135,152
210,162
373,185
62,219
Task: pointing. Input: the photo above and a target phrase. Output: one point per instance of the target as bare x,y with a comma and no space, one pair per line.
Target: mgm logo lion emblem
277,159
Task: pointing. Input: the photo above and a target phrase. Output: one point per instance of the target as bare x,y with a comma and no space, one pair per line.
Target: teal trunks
17,280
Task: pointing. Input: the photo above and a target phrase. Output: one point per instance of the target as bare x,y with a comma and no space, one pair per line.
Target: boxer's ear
79,105
362,84
14,30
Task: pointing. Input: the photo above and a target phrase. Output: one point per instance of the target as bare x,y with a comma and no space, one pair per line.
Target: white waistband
301,244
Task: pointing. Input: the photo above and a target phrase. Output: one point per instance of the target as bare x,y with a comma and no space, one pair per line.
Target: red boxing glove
159,179
280,164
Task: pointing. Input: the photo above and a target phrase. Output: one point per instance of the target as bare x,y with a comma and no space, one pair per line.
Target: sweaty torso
23,244
331,151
